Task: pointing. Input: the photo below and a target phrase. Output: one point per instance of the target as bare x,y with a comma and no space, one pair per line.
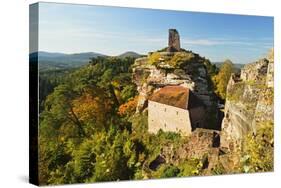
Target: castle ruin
174,41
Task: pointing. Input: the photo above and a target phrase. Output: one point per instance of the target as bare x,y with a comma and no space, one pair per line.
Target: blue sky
111,30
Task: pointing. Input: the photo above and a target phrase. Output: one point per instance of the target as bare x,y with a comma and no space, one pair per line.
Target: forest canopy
89,130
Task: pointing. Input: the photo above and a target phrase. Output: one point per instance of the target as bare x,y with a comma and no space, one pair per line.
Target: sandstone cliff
159,69
249,102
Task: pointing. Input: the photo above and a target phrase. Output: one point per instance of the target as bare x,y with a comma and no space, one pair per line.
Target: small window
165,125
165,109
177,112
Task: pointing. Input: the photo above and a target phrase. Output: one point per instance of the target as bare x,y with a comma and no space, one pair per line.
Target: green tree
221,79
81,134
59,110
211,68
170,171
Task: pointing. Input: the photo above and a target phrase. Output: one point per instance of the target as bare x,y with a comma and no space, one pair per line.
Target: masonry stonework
174,41
168,118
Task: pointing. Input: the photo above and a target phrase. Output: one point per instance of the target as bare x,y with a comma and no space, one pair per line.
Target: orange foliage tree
129,107
92,108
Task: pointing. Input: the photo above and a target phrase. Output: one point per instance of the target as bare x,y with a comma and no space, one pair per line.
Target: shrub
218,169
180,58
258,150
191,167
170,171
154,58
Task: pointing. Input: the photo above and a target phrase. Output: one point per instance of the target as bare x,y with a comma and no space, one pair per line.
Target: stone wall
168,118
174,41
201,143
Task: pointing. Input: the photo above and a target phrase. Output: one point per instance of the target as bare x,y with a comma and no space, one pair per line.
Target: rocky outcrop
160,69
255,71
270,72
171,66
249,102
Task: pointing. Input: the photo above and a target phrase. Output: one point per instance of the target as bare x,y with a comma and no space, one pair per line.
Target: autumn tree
93,108
221,79
81,133
129,107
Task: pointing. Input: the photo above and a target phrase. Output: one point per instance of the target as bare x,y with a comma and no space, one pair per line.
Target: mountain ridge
58,60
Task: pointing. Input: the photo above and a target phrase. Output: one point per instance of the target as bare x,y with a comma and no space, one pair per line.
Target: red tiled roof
176,96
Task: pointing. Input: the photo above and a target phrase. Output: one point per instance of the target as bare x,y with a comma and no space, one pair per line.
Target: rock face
174,41
171,68
270,73
249,102
255,71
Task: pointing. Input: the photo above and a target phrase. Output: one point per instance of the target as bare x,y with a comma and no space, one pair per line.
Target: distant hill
56,61
49,60
237,67
130,54
67,58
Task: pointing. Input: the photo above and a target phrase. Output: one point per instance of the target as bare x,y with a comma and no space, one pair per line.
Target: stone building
175,109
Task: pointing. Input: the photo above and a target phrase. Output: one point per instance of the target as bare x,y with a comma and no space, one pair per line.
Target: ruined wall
204,140
201,143
168,118
174,41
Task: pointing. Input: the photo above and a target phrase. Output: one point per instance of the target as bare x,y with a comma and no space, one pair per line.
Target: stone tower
174,41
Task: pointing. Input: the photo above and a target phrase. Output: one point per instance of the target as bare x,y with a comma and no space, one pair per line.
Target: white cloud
201,42
226,41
